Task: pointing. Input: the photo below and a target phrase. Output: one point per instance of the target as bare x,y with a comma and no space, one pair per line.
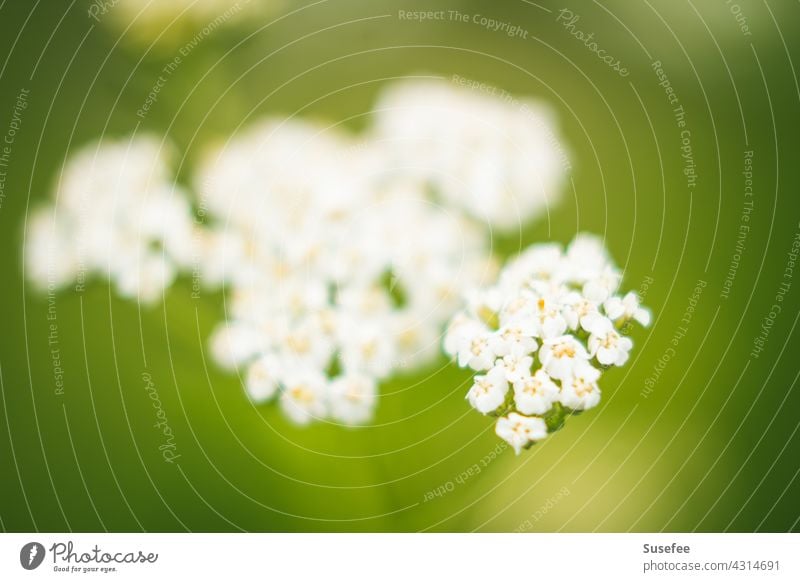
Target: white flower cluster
337,277
497,158
117,214
339,260
542,336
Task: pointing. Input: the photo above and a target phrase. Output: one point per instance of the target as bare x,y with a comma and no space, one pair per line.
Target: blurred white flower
263,377
601,286
353,398
49,260
234,344
337,267
148,280
304,397
550,296
498,159
369,349
116,213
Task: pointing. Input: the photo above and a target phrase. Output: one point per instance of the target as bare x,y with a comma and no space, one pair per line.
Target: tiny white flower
328,320
301,296
304,397
520,306
146,279
548,312
627,307
515,337
262,378
559,355
489,391
233,344
49,258
352,398
535,394
516,367
476,352
417,339
518,430
580,311
489,298
306,344
369,301
587,257
607,345
602,286
369,350
485,304
581,392
540,262
460,332
219,254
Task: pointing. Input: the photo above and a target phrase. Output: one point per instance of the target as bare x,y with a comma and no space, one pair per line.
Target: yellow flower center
582,387
477,346
610,340
369,349
302,394
298,344
532,387
564,350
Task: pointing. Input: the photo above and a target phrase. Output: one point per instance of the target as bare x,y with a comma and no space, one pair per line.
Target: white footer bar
389,557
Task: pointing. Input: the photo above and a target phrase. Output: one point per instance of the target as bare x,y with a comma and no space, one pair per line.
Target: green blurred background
713,446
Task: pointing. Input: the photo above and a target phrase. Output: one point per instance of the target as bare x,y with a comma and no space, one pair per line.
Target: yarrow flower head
116,214
330,292
498,159
542,336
